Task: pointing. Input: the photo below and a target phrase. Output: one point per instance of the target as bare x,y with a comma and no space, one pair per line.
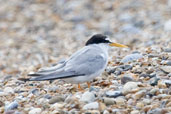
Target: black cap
97,38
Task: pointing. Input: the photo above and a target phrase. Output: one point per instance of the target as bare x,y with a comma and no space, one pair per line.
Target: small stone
135,112
56,99
167,25
118,71
139,105
154,81
152,75
47,96
92,112
154,91
167,82
166,69
129,86
128,28
42,101
57,106
161,84
146,101
167,50
106,112
34,91
35,111
1,103
9,90
126,67
110,70
120,101
131,57
168,63
109,101
139,94
156,111
91,106
11,106
113,93
88,97
126,79
169,74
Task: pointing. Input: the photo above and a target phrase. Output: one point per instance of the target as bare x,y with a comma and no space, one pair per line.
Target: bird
82,66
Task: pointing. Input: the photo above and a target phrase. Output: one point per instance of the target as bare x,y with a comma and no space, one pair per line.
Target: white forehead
107,38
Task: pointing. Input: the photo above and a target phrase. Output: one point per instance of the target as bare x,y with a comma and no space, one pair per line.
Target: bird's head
99,39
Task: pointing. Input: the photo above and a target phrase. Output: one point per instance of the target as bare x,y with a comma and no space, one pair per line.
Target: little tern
83,66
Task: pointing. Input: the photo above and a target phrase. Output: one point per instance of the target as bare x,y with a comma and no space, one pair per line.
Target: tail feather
24,79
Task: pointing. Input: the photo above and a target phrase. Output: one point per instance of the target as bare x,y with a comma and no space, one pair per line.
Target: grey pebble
154,81
126,79
109,101
88,97
166,69
167,50
34,91
47,96
113,93
91,106
11,106
155,111
129,28
56,99
131,57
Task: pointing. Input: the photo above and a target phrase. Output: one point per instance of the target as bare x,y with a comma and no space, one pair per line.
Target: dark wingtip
24,79
33,75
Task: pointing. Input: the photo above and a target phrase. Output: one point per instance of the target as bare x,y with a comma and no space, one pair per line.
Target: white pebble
35,111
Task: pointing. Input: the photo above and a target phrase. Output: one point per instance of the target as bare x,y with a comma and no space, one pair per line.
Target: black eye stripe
96,39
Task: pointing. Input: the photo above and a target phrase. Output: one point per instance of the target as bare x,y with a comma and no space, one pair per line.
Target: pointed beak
118,45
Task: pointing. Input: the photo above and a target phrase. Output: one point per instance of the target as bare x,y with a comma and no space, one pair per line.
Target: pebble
35,111
154,91
154,81
139,105
11,106
87,97
130,29
109,101
167,82
106,112
34,91
135,112
9,90
168,63
56,99
167,25
91,106
113,93
57,106
131,57
126,79
167,50
139,94
120,101
161,84
166,69
1,103
129,86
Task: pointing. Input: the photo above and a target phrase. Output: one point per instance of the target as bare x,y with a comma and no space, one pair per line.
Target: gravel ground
39,33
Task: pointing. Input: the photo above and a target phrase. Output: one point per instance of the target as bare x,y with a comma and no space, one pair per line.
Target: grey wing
88,62
83,63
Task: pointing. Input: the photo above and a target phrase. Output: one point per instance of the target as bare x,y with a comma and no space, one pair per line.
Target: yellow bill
118,45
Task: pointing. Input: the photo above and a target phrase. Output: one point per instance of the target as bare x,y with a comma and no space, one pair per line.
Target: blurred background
34,33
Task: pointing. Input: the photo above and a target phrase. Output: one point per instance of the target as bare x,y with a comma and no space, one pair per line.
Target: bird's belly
85,78
79,79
